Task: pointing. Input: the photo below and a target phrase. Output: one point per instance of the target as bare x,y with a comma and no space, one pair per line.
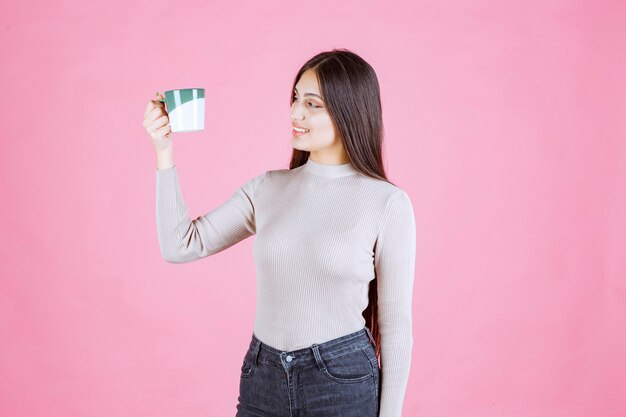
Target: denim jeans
337,378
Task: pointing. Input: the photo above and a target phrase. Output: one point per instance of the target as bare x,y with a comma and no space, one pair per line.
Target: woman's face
309,112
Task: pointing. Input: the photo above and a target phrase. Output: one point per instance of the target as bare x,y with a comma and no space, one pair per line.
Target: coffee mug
185,109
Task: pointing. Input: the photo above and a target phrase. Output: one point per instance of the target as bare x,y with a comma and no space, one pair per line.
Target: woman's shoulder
382,187
282,173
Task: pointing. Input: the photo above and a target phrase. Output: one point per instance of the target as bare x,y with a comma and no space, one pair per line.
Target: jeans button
289,358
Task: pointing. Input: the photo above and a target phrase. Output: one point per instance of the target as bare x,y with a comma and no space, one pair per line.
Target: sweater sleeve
395,268
182,239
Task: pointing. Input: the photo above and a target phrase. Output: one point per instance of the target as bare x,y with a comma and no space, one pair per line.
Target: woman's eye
312,105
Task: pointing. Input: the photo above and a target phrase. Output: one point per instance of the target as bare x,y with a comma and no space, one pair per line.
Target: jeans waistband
307,356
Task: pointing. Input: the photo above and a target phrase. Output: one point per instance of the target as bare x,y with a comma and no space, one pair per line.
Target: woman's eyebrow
309,94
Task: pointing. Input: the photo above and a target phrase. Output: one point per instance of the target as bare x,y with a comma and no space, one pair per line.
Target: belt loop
316,352
370,336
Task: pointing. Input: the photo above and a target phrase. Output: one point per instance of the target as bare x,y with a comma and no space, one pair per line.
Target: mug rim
181,89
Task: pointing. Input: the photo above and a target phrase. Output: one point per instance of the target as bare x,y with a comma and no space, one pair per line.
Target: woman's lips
294,132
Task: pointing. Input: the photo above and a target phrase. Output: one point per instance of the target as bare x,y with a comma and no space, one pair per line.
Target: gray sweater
323,232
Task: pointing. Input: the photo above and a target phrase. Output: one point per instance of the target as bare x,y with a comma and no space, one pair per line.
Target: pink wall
504,123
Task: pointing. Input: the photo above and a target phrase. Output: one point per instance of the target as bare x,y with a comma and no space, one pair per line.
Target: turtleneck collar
329,170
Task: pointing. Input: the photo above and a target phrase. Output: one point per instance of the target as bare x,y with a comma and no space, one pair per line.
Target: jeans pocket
248,366
371,354
354,366
370,351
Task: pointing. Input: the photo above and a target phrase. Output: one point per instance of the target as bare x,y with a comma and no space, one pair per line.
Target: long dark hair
350,89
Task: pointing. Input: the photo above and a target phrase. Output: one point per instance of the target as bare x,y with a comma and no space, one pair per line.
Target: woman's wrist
165,159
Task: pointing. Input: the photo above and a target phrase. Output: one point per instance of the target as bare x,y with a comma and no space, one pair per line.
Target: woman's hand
157,124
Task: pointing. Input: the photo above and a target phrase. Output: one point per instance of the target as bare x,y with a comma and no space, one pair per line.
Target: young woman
334,252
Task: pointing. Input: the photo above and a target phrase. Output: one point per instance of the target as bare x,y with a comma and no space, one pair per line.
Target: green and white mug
185,109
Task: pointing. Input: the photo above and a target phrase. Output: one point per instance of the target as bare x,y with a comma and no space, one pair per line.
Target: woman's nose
295,113
296,116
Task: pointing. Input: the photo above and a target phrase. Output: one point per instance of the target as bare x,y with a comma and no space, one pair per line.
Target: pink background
504,123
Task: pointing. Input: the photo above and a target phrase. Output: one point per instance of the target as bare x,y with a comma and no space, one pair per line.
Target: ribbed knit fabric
323,232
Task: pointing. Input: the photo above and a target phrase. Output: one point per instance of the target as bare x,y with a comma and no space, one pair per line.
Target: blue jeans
337,378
